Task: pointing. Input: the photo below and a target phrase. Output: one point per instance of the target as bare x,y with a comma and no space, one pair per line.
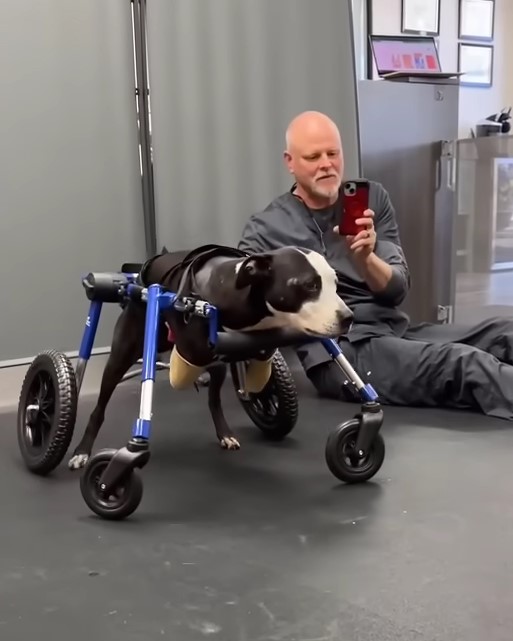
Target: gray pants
451,366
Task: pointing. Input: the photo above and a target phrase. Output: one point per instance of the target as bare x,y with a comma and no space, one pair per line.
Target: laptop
408,57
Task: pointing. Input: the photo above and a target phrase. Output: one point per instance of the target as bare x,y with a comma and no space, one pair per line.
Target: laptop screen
405,53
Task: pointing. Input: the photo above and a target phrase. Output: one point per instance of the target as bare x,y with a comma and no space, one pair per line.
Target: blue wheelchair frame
238,347
157,300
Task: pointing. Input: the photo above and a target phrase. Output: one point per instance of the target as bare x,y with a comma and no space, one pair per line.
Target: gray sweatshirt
287,221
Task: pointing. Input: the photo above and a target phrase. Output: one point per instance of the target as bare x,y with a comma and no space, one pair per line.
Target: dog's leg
224,434
127,346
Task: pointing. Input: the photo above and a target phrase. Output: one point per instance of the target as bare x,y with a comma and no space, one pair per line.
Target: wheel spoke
40,412
40,386
46,393
47,404
46,421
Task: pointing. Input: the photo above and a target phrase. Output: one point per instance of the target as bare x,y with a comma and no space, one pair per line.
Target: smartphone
355,201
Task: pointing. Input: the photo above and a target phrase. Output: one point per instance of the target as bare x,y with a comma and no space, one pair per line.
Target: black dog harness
175,271
172,264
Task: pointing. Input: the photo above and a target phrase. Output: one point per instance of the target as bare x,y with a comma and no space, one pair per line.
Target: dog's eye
312,285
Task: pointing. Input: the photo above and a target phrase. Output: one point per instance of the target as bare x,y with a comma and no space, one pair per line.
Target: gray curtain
226,77
69,178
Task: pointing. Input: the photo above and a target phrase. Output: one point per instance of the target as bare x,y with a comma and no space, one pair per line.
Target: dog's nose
345,320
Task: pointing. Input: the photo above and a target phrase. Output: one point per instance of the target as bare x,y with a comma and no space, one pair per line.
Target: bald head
314,156
307,126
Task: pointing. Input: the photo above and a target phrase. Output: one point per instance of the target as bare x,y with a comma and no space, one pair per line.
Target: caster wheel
47,410
344,463
120,502
274,410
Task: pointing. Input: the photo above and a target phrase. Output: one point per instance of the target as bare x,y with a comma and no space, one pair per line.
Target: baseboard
11,380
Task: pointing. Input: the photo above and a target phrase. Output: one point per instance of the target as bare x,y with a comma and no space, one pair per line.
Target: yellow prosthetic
182,374
258,374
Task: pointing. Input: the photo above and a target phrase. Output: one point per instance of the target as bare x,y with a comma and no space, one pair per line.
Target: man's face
317,162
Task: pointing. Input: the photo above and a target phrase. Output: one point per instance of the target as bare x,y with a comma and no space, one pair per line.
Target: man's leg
493,335
329,380
418,373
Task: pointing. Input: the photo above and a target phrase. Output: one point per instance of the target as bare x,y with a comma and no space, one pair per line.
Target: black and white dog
284,288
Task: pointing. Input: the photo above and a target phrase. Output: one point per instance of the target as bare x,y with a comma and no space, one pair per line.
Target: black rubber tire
113,510
282,388
339,463
54,374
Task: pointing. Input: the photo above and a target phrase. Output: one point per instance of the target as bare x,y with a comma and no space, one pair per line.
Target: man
425,365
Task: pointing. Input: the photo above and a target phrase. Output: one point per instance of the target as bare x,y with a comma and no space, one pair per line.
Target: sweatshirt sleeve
267,230
255,237
389,249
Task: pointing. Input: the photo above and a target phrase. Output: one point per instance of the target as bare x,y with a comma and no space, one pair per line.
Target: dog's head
299,289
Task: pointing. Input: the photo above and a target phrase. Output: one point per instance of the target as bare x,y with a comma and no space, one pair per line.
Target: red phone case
355,201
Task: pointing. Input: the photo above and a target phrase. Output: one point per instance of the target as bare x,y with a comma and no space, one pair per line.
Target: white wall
475,103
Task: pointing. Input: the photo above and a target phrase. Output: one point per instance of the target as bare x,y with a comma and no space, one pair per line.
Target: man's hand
364,243
374,271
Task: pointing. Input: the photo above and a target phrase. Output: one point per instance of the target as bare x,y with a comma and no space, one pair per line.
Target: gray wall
226,77
69,176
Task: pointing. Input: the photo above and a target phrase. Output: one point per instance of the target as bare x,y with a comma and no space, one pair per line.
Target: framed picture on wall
420,16
476,61
476,19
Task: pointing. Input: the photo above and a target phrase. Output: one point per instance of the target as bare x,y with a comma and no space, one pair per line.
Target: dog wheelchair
110,484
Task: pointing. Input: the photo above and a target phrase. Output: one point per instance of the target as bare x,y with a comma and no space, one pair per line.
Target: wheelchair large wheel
342,459
47,411
274,410
120,502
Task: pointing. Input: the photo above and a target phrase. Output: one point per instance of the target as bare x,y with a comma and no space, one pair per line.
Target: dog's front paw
78,461
230,443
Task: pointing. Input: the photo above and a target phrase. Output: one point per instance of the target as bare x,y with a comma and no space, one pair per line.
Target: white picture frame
476,61
476,20
420,17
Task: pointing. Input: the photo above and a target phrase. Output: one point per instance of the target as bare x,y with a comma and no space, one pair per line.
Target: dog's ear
255,269
164,250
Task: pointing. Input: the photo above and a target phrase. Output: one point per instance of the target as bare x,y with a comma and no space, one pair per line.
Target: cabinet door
403,130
